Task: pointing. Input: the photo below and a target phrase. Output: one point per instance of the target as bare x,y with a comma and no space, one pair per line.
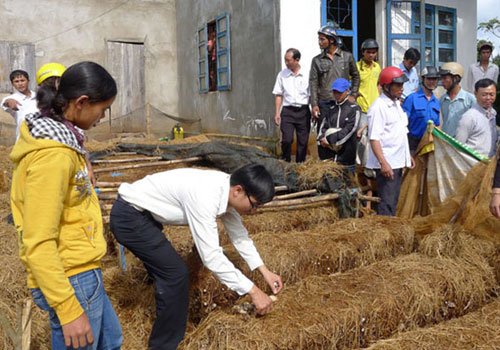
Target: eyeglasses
254,206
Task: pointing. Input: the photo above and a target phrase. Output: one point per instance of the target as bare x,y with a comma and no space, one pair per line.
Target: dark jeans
388,191
324,107
296,119
142,235
413,143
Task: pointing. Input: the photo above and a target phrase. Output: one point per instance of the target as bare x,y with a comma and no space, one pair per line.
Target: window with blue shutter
438,31
223,53
203,59
214,63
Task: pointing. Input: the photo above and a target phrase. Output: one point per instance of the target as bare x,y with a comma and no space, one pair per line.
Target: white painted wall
299,24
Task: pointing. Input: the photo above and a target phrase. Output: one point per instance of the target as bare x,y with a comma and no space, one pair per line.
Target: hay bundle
279,220
452,241
477,330
132,295
351,309
324,249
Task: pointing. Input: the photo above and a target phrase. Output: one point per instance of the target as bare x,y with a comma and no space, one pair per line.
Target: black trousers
388,191
324,108
142,235
296,119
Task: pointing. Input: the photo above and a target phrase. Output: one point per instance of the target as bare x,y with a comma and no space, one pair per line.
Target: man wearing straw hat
196,198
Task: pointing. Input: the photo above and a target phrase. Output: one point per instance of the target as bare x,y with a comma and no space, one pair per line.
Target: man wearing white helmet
456,101
422,106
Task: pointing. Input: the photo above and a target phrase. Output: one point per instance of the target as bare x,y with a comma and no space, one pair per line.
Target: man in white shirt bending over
387,132
23,101
196,198
292,91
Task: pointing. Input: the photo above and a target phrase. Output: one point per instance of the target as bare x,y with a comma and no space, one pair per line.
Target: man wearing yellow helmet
49,74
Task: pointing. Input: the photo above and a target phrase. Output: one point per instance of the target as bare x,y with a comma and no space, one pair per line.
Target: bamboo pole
127,160
107,196
134,166
280,188
295,195
107,184
26,325
368,198
122,154
290,202
148,119
107,189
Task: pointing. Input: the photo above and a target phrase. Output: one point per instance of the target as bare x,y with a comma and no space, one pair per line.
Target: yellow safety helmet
48,70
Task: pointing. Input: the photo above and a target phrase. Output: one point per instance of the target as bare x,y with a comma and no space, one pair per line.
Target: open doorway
366,23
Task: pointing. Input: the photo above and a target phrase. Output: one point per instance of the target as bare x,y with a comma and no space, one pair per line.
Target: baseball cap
340,85
486,46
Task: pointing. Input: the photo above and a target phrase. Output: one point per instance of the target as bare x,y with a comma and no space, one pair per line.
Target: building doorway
125,62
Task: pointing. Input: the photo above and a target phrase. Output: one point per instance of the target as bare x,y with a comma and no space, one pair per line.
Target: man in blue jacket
422,106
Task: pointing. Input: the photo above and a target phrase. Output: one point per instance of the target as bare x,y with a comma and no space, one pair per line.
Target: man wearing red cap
387,132
482,69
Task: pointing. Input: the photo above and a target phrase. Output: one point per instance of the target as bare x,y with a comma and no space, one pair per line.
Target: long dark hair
83,78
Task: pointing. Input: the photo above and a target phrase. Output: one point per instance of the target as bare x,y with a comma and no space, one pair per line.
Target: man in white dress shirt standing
291,91
484,68
196,198
387,132
23,101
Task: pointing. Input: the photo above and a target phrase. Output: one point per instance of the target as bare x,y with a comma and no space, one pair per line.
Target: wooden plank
125,160
150,164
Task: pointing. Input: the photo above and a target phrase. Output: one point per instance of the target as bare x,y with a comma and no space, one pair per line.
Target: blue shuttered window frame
440,47
203,59
223,52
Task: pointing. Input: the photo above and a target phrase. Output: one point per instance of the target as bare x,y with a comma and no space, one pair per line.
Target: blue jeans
89,291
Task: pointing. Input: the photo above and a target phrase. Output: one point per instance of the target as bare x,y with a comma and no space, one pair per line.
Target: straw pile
453,241
352,309
312,172
324,249
279,220
477,330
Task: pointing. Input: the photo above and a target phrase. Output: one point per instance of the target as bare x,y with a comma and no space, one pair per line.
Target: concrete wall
69,31
299,24
248,108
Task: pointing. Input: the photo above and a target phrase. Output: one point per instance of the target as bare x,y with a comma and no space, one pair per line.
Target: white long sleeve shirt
28,106
197,198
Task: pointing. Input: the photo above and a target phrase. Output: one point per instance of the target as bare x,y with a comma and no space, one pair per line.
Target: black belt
296,108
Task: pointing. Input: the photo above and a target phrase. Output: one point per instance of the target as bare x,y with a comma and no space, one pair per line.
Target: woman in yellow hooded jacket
57,213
